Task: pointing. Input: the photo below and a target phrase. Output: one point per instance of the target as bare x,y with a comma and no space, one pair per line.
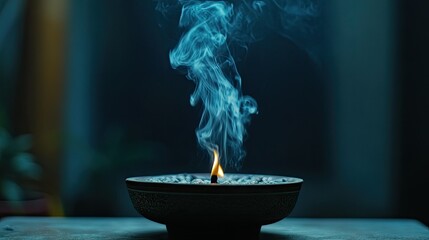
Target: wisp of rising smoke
204,51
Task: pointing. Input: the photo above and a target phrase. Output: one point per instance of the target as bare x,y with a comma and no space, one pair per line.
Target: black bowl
194,210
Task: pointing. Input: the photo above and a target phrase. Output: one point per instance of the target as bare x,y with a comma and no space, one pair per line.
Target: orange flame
216,168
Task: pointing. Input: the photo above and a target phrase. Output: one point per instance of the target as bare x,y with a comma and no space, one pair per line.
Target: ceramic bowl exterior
213,204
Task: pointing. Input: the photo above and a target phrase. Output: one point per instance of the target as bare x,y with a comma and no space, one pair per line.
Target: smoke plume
211,28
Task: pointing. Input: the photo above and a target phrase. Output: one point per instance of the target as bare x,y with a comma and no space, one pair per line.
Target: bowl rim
139,184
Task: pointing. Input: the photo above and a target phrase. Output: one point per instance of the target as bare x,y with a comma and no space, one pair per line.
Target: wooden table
141,228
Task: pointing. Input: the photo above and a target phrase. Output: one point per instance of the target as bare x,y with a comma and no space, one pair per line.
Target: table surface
141,228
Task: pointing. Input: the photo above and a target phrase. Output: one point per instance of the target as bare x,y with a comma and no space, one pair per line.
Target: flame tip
216,168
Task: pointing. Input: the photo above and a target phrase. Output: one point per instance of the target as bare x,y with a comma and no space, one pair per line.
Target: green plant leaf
11,191
24,164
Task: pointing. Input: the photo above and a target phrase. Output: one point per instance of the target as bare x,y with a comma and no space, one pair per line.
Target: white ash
227,179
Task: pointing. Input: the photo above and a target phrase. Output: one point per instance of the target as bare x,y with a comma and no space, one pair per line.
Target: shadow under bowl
193,211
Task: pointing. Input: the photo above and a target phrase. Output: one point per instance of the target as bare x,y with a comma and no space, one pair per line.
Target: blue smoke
211,28
204,51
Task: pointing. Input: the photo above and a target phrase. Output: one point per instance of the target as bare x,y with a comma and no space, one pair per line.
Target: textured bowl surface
202,204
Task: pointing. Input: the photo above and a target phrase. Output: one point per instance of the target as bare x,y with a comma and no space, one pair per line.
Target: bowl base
179,232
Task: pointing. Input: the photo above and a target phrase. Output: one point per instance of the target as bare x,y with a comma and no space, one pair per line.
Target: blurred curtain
11,33
38,102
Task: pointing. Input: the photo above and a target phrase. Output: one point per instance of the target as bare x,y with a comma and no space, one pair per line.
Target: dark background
91,81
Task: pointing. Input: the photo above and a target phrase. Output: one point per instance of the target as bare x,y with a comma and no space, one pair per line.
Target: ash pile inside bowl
228,179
